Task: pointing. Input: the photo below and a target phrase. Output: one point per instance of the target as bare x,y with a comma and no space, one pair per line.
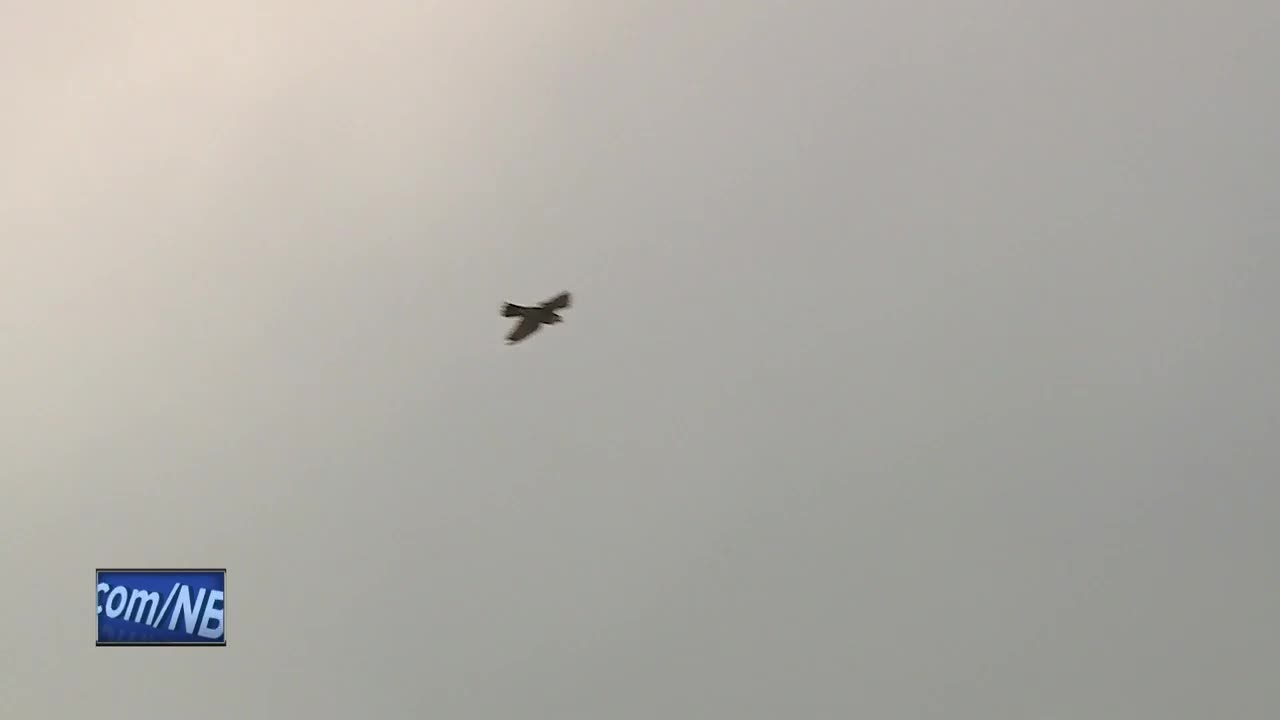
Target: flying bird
532,318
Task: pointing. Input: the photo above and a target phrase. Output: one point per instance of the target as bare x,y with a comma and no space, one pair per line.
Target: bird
532,318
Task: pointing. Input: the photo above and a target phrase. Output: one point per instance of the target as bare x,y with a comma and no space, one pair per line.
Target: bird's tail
512,310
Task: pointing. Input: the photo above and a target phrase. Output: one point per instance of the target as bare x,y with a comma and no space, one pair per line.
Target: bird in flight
532,318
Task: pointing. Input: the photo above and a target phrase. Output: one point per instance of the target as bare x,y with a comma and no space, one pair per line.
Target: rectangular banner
161,607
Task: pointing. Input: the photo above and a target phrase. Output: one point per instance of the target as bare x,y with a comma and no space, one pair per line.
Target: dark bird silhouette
532,318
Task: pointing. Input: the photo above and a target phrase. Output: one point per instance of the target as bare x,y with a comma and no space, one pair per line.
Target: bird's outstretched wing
558,302
524,329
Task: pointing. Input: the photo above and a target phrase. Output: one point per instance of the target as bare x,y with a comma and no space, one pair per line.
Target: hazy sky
922,364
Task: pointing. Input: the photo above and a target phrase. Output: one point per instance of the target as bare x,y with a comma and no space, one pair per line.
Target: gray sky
922,363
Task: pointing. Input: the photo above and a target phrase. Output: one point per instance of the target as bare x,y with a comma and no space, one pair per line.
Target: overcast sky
922,365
